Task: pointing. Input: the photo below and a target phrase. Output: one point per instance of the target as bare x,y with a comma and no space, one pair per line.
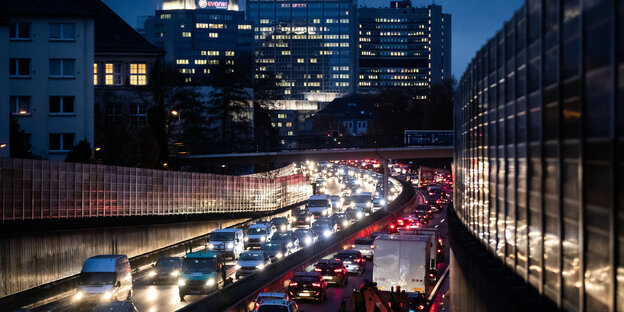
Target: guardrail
238,296
50,190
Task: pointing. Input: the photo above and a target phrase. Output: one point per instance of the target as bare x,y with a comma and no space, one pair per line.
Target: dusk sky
474,21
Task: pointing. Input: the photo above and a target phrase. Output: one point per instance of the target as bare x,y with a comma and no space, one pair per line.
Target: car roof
280,302
307,274
329,261
258,225
349,251
202,254
272,294
229,230
253,252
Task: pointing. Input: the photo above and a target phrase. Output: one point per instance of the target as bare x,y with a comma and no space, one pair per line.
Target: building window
62,31
186,34
289,124
229,53
19,67
290,133
244,27
113,113
182,61
60,105
19,31
281,116
61,142
165,16
139,115
95,74
20,105
113,74
213,35
138,74
63,68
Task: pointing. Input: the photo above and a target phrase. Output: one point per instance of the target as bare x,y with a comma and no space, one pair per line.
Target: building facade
402,46
50,83
539,174
307,45
199,38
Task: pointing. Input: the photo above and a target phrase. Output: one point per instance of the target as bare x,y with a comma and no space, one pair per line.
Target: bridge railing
39,189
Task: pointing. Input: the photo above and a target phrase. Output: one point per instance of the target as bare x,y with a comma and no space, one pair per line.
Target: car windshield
363,241
269,246
320,226
317,203
251,256
342,256
301,212
280,236
204,265
256,231
325,266
272,308
97,278
167,263
222,236
360,199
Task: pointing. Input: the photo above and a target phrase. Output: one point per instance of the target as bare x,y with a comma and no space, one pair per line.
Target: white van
257,234
320,205
228,242
104,278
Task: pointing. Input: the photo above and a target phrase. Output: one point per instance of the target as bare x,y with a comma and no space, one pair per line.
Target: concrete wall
30,260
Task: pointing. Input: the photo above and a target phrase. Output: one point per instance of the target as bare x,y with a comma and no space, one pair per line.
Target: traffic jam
344,194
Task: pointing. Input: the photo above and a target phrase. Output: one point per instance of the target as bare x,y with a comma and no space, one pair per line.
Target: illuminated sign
206,4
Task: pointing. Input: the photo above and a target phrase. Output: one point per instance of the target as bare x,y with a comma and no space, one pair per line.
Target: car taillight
317,270
417,224
316,285
400,222
293,284
352,245
357,260
421,307
392,227
430,211
372,246
338,270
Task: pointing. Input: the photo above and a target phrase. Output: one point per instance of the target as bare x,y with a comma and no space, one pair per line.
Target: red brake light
439,250
317,270
400,222
392,226
421,307
316,284
357,260
352,245
293,284
338,270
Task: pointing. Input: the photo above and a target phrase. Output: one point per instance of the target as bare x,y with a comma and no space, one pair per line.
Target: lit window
61,105
264,21
290,133
138,74
289,124
229,53
62,67
287,91
210,53
281,116
244,27
165,16
213,35
186,34
200,62
182,61
201,25
215,26
300,60
19,67
279,124
62,31
19,31
313,60
20,105
286,52
61,142
112,74
95,74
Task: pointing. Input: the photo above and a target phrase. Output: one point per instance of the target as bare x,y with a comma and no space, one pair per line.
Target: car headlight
260,266
290,244
369,204
151,273
181,282
327,233
175,273
283,227
211,246
308,240
324,212
279,255
345,223
262,239
236,267
307,218
359,215
246,238
210,282
78,296
382,202
352,205
107,295
230,245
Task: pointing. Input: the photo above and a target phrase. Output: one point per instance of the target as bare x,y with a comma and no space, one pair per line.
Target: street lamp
174,112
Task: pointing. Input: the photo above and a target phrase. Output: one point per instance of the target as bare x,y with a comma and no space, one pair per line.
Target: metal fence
36,189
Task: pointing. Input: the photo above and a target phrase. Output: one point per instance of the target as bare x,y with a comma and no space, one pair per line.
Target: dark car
287,238
275,251
305,237
341,220
116,306
280,224
354,214
303,217
353,261
308,285
322,230
333,271
166,269
375,234
327,220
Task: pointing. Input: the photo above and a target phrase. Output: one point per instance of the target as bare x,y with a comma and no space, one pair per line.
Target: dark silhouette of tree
438,107
19,144
266,137
81,153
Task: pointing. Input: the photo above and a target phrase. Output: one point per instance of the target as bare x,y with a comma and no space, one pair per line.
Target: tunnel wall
32,259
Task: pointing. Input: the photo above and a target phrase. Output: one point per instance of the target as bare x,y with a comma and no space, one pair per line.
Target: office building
402,46
538,164
199,37
307,45
50,50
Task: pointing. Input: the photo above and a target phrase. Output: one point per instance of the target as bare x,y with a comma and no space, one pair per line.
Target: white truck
401,261
430,234
320,205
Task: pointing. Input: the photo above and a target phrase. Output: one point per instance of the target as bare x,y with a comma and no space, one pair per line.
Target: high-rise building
50,47
539,171
402,46
200,36
307,45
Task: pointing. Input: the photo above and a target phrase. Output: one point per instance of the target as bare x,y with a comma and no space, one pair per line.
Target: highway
154,298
